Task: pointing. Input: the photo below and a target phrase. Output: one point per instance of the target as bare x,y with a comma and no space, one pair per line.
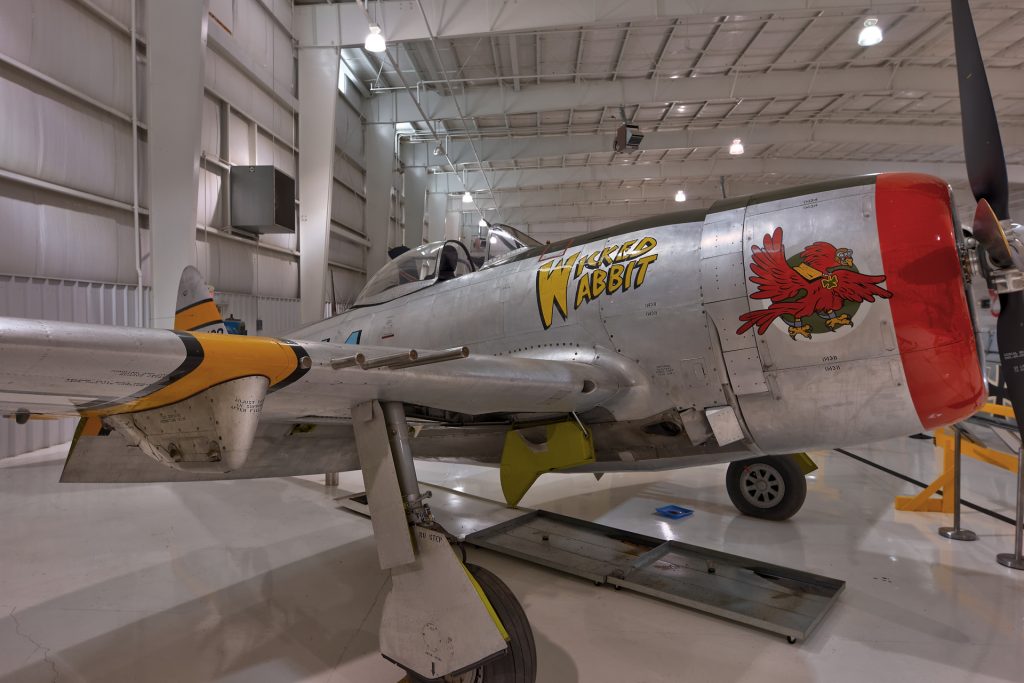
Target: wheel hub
762,485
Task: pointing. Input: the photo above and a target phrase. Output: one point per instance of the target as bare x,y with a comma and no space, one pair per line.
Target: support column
318,100
415,204
437,207
380,171
176,52
453,225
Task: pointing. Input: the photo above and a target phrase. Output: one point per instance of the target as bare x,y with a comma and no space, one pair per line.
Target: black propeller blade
983,148
986,170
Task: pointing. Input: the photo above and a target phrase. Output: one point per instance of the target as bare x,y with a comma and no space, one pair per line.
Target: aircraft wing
202,404
57,368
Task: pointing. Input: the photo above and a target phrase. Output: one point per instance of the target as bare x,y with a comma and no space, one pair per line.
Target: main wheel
519,663
770,487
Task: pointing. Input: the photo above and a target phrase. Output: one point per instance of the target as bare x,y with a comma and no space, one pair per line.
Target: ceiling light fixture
680,196
467,198
871,34
374,40
439,150
674,76
681,108
736,148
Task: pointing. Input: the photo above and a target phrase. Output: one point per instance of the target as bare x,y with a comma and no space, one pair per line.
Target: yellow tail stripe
203,313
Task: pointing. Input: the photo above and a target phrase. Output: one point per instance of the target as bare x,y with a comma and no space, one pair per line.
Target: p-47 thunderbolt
765,326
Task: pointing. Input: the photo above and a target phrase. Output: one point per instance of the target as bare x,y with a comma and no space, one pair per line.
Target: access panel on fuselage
645,285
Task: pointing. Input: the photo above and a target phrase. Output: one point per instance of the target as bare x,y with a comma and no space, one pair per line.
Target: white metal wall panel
65,300
345,252
348,208
347,285
210,208
278,316
45,234
211,127
348,131
64,143
96,61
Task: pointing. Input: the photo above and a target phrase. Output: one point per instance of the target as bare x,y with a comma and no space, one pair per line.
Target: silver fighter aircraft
815,317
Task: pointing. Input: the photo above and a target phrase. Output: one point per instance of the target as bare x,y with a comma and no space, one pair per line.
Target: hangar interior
125,124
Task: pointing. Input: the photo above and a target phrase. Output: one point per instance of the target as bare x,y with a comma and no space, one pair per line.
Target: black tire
768,487
519,663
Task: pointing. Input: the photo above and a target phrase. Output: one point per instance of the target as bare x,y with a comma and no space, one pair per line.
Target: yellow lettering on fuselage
615,268
553,288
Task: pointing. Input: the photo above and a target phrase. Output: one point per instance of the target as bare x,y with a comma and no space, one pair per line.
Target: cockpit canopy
416,269
428,264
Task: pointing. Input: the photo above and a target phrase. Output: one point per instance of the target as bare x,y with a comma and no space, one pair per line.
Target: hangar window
416,269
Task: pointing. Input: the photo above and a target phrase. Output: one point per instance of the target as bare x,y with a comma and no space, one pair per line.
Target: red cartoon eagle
823,275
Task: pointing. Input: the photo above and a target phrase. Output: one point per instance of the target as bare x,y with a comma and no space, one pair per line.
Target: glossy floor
269,581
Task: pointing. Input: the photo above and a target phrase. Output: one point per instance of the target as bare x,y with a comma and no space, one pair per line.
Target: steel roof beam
533,147
493,100
346,24
826,168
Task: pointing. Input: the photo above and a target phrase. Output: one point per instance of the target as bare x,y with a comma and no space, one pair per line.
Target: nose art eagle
821,283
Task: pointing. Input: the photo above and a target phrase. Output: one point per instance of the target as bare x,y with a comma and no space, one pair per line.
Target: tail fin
196,310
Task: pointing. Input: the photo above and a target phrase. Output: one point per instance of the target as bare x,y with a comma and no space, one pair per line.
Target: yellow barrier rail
927,500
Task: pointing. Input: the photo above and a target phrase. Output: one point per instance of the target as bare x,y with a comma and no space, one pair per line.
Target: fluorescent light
374,40
680,196
871,34
674,76
482,223
681,108
467,198
736,148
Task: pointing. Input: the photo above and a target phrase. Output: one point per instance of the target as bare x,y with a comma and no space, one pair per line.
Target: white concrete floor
268,581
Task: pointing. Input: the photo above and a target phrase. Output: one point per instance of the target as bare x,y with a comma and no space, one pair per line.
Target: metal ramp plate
777,599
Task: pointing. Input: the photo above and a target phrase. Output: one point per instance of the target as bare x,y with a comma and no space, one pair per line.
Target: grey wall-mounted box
262,199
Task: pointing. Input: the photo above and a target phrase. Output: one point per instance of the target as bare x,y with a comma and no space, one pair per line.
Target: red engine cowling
934,332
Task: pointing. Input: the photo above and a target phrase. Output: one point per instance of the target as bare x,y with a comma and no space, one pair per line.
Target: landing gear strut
442,620
770,487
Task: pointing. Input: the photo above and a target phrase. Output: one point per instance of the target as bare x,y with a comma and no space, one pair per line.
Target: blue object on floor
673,511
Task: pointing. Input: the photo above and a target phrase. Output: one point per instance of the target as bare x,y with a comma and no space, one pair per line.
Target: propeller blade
983,148
990,235
1010,337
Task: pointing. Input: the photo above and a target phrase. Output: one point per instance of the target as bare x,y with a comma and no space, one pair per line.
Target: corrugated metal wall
68,300
66,194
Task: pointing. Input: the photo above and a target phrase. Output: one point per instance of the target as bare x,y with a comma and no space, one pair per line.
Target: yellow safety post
926,500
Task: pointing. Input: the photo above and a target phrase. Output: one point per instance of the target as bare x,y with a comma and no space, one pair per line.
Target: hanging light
680,196
871,34
482,223
467,198
374,40
736,148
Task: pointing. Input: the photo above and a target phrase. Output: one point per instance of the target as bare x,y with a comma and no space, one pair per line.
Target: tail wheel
519,663
768,487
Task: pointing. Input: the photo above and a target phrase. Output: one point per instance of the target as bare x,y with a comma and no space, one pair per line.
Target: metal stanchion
1014,560
955,532
331,480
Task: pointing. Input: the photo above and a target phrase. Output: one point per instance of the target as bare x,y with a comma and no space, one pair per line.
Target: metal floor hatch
777,599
